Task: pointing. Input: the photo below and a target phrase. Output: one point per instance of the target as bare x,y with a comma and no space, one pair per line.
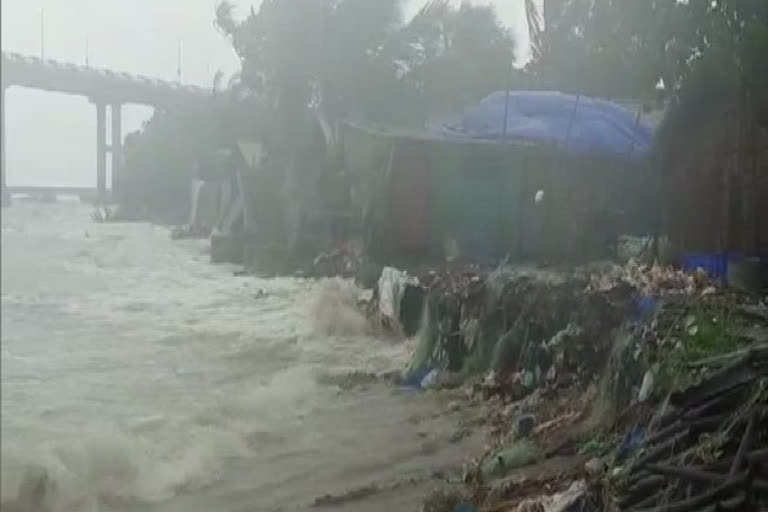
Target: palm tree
535,29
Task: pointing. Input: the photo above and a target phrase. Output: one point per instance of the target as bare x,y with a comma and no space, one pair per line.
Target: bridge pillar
6,196
117,149
101,150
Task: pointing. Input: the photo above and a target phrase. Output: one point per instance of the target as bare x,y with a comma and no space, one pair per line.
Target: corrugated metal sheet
476,196
481,195
409,196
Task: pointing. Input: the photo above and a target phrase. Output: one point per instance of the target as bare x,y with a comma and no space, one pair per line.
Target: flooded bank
138,376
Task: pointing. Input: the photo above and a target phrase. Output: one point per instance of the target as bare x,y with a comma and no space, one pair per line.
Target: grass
700,334
706,335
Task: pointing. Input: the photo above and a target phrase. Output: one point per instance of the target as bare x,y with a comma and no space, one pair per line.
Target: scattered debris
524,425
646,388
566,370
574,363
519,454
594,466
707,444
572,499
391,292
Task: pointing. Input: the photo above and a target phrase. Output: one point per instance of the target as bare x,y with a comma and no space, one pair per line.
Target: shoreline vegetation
599,385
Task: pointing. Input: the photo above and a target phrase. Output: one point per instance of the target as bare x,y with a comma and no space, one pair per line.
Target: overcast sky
51,138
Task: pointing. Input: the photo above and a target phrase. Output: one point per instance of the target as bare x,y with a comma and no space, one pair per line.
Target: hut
441,194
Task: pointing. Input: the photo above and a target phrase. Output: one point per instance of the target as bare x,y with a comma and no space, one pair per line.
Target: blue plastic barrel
714,264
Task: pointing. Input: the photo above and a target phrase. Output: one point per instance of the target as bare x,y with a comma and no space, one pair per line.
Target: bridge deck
98,84
88,194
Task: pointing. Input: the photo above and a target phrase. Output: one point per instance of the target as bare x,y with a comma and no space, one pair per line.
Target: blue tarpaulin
578,124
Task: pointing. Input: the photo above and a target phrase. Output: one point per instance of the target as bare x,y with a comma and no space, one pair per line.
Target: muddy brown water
139,377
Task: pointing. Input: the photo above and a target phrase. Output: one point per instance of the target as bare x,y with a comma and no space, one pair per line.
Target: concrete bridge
86,194
103,88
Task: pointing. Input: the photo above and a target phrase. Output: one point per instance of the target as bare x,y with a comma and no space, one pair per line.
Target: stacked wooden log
707,448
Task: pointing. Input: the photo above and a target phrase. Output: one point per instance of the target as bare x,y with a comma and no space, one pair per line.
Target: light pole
178,63
42,34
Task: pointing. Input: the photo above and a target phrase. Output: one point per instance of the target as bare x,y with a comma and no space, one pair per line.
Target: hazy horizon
51,137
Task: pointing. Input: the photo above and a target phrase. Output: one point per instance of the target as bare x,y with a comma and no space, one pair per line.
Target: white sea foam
135,373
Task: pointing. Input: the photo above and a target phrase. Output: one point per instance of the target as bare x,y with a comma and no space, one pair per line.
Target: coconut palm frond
535,28
225,18
217,78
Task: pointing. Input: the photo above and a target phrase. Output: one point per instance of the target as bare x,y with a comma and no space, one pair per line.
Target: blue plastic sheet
578,124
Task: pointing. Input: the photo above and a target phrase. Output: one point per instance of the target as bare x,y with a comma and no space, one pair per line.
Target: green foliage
360,60
722,62
357,59
160,161
612,48
706,335
621,48
701,334
162,158
597,445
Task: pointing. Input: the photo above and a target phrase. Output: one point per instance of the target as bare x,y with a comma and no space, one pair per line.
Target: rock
33,492
524,425
364,297
359,494
458,436
450,380
531,505
411,307
510,410
428,447
594,466
438,475
226,248
368,275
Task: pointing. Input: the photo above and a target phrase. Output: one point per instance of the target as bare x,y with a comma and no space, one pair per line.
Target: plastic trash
392,284
571,500
646,305
632,442
646,388
422,360
521,453
430,379
568,499
412,379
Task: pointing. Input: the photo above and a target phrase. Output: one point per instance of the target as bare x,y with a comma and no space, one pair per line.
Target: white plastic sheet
392,284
